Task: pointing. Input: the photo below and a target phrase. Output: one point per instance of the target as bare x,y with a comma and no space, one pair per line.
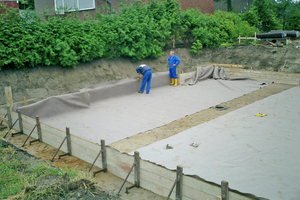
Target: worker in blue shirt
145,74
173,63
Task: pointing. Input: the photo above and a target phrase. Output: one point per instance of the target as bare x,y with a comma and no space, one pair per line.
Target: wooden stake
39,130
224,190
137,169
9,117
20,122
9,99
25,103
255,36
103,155
239,39
68,141
179,183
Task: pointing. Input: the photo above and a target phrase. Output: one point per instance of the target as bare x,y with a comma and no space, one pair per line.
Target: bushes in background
138,31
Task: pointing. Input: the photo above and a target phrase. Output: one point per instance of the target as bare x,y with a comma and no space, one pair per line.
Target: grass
12,180
19,176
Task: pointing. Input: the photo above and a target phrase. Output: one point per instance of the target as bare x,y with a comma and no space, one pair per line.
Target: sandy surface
109,181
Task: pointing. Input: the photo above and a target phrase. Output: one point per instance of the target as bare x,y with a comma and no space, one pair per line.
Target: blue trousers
147,76
173,72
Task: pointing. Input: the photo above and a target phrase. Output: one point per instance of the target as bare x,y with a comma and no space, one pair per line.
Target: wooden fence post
68,141
137,169
9,117
39,130
179,183
224,190
9,99
20,122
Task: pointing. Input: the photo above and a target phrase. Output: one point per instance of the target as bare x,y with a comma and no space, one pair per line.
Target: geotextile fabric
202,73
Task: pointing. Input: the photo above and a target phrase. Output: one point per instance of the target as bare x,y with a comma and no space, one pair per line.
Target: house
91,6
10,4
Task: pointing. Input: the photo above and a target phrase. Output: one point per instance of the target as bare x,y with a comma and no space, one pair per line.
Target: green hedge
138,31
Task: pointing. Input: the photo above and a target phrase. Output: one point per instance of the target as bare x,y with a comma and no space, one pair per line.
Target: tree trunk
229,7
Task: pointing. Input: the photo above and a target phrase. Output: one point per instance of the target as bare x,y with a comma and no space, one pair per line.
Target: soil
38,83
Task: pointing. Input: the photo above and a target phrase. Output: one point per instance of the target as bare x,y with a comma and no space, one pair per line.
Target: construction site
228,131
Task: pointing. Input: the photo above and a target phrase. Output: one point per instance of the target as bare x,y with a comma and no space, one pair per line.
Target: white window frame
63,5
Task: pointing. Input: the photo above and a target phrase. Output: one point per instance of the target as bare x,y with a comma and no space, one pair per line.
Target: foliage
266,15
140,30
18,173
214,30
251,17
26,4
293,18
196,48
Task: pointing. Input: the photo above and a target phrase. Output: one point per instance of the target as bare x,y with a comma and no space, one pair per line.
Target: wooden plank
162,184
237,196
157,189
9,99
4,119
159,179
248,38
117,171
85,144
28,121
200,185
158,170
192,193
121,159
53,131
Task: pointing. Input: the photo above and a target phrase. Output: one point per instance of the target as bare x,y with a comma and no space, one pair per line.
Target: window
71,5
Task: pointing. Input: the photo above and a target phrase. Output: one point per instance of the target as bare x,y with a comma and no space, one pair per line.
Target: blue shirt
142,69
173,60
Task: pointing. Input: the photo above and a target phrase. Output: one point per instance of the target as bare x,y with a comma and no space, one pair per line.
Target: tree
229,6
282,9
293,19
266,15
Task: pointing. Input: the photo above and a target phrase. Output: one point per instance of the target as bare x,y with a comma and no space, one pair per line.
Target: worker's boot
172,83
175,82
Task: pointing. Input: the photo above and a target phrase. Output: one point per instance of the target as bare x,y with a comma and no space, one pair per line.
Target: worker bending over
145,74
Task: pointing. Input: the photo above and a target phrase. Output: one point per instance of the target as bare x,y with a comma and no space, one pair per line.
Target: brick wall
206,6
10,5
